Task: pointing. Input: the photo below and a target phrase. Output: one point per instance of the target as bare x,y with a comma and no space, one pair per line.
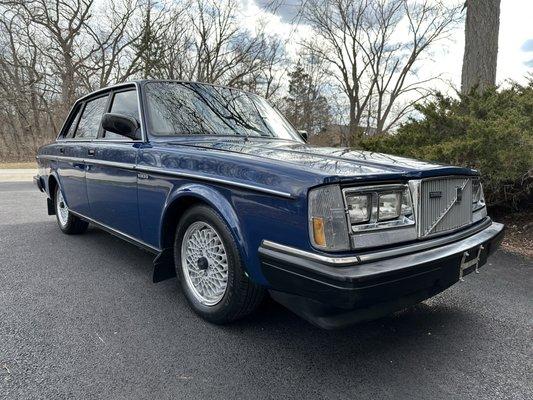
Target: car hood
336,163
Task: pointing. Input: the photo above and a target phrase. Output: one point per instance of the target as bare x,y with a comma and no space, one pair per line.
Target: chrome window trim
109,89
162,171
381,254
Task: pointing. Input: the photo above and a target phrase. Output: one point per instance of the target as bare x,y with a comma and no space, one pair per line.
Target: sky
515,53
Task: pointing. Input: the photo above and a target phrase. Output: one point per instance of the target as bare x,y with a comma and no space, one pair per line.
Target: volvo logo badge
435,195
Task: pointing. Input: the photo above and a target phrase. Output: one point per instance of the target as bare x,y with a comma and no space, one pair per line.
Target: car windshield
186,108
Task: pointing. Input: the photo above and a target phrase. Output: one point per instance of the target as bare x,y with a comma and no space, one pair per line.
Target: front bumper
334,292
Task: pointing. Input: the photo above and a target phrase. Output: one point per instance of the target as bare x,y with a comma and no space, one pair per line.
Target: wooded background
355,70
358,69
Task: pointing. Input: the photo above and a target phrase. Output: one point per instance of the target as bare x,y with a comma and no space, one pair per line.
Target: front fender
214,197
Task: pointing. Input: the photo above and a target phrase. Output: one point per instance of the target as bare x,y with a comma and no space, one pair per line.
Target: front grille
445,204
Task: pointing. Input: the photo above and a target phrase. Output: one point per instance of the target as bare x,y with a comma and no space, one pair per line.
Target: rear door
72,150
111,178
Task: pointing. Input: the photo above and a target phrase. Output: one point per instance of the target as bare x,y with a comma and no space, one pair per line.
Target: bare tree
393,62
481,44
51,51
224,52
24,110
58,27
177,36
370,56
339,29
205,42
113,58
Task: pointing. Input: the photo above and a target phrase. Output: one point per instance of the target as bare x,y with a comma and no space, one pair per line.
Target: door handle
90,152
61,150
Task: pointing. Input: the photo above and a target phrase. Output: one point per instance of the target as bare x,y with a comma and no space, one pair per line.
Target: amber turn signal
318,231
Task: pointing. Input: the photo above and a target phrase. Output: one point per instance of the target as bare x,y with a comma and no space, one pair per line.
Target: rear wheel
68,223
210,268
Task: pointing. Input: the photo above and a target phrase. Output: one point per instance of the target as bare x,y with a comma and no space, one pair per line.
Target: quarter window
69,132
91,118
124,103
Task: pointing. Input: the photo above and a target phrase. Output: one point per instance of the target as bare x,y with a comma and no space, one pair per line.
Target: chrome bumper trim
383,254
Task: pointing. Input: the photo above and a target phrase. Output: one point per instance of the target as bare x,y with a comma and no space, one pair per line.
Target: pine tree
149,47
304,106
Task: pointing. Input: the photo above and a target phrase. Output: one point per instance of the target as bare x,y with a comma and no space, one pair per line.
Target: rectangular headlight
389,206
358,207
379,207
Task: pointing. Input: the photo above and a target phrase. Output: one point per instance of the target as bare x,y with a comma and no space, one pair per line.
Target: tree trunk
354,134
481,44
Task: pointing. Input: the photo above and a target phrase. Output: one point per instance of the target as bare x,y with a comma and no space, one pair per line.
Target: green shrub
491,132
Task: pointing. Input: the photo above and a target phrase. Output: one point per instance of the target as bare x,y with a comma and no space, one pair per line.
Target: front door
111,178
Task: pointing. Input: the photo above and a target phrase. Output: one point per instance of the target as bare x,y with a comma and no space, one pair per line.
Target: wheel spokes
203,246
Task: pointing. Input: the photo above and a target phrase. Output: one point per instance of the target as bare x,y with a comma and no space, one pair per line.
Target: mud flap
164,266
51,207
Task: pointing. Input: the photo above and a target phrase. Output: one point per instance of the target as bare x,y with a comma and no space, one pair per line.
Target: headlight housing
328,228
378,207
478,197
363,217
479,211
335,214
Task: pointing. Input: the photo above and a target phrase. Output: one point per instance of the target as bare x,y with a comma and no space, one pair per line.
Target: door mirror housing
303,134
121,125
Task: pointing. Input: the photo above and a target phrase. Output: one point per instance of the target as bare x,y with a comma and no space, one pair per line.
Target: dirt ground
519,232
18,165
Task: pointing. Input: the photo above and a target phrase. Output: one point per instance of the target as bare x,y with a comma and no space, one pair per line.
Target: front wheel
210,269
68,222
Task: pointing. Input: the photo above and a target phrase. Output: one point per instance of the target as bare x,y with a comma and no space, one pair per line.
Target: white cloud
516,27
446,59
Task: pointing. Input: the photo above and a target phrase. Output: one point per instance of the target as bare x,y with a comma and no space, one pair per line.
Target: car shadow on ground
421,319
412,330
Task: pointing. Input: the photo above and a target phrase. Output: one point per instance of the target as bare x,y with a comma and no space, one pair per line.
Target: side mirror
121,125
303,134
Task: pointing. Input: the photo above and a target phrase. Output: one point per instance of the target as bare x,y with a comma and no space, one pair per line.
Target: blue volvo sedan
232,201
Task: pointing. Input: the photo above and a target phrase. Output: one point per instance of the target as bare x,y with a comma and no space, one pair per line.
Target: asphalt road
80,318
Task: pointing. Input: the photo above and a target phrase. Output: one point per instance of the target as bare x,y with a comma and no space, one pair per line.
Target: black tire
73,224
242,296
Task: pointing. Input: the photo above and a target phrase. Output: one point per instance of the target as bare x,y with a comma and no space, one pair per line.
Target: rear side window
124,103
91,118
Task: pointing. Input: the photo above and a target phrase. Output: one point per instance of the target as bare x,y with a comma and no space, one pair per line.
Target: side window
73,121
91,118
123,103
